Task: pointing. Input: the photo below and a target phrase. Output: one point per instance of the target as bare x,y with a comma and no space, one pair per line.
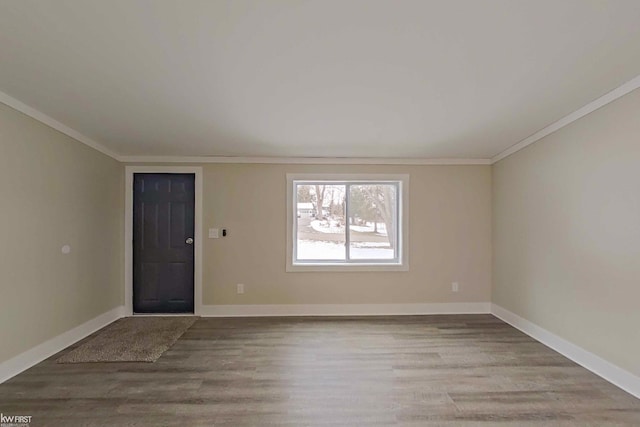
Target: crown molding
60,127
302,160
53,123
605,99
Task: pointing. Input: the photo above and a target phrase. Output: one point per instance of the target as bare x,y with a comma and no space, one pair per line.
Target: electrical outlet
240,288
455,287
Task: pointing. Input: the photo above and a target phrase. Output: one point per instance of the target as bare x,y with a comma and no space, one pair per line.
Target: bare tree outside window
373,215
346,222
321,230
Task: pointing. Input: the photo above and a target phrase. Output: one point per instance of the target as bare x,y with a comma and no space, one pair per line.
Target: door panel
163,220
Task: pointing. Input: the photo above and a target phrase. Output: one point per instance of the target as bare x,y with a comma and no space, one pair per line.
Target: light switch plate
214,233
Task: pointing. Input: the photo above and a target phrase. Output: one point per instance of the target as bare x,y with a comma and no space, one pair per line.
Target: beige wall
566,235
566,239
55,191
450,239
567,232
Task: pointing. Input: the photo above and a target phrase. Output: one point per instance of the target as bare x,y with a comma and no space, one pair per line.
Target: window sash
397,223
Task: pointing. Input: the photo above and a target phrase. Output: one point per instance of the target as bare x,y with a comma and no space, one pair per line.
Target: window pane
373,222
320,222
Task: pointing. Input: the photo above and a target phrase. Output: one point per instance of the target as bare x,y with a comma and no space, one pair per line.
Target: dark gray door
163,233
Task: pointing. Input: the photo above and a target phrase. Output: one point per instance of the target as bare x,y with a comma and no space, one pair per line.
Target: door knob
189,241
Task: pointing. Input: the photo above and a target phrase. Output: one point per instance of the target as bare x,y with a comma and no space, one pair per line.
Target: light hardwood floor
454,370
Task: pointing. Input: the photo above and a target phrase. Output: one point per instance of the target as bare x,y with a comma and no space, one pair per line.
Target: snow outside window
346,222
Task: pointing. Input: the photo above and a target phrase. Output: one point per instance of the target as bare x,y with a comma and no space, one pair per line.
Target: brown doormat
132,339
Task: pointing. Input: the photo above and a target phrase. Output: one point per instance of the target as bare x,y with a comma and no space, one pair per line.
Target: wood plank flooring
459,370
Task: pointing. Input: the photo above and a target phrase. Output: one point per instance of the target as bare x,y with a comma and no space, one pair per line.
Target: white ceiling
329,78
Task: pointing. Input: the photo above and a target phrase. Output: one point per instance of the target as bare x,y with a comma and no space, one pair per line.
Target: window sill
344,268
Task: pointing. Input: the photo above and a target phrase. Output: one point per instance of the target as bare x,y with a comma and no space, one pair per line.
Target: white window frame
399,264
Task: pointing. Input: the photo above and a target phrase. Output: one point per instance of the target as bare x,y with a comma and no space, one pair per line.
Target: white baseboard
251,310
37,354
607,370
610,372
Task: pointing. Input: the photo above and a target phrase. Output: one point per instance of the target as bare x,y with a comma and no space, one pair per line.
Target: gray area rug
132,339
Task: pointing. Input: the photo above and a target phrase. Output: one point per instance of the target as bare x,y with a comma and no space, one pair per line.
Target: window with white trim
340,222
